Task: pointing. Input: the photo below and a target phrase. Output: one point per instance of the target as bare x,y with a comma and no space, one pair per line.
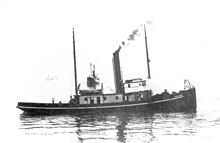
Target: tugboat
130,95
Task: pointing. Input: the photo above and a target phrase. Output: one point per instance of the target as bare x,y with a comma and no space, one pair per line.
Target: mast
148,60
93,72
91,69
74,58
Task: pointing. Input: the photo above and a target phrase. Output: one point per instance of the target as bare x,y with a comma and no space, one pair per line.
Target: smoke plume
133,35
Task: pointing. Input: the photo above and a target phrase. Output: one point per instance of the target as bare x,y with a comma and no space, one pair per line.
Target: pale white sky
36,41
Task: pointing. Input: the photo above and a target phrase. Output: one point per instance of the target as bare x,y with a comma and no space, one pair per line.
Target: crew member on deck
165,94
53,100
72,101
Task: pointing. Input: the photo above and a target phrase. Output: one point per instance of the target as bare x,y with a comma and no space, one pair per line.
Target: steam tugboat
130,95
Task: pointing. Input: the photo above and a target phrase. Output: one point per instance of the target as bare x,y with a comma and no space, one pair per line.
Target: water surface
202,126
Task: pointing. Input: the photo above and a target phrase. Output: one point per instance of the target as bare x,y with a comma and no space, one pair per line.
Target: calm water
202,126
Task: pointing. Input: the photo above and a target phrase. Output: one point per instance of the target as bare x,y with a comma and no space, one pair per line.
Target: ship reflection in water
110,127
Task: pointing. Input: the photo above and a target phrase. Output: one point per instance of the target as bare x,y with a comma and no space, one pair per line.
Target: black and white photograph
117,71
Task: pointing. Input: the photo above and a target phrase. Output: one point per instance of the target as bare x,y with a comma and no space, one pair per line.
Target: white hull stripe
99,107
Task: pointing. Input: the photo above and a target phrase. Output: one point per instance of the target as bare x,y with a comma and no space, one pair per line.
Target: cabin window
104,98
139,84
85,99
129,85
126,98
116,97
91,100
98,100
140,96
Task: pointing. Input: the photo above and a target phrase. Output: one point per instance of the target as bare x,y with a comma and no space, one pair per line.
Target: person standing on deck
72,101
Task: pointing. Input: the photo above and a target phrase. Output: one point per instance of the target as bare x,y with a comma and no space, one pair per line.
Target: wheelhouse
134,85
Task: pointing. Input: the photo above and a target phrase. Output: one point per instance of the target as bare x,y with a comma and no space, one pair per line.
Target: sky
36,44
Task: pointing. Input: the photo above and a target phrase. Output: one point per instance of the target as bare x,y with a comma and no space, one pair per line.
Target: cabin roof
95,95
136,80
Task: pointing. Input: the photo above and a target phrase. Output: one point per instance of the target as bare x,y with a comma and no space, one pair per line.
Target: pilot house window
116,97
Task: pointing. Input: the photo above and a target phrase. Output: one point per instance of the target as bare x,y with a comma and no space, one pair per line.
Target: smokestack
117,72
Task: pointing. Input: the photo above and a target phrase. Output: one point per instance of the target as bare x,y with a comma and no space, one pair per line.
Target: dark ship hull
185,101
